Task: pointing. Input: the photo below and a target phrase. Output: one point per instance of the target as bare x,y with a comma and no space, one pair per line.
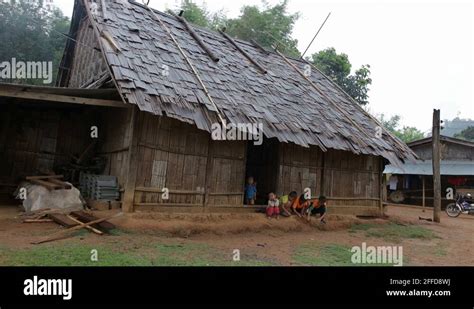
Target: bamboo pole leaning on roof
197,37
359,141
243,52
189,62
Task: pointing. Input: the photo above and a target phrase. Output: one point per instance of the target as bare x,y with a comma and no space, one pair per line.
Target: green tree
338,68
269,26
32,33
200,16
406,134
466,134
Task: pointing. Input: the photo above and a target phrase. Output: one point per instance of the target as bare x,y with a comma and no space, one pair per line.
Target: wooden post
381,185
132,164
436,167
208,177
423,199
321,180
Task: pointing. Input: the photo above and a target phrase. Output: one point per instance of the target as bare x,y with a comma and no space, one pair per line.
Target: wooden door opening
262,165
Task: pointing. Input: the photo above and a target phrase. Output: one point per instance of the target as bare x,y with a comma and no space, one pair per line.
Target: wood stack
71,220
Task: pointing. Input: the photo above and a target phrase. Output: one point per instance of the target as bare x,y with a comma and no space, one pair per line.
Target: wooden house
178,80
412,182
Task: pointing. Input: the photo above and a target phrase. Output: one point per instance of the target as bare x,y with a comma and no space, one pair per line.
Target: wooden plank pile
71,220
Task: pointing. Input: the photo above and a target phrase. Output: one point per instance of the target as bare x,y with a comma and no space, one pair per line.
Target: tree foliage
32,32
269,26
200,15
338,68
406,134
466,134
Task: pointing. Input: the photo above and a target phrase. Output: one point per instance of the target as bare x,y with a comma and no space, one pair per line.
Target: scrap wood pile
71,220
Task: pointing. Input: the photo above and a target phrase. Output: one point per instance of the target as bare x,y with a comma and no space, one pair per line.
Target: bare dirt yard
158,239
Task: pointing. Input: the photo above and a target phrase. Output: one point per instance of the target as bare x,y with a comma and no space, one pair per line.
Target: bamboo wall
114,133
349,181
175,155
183,159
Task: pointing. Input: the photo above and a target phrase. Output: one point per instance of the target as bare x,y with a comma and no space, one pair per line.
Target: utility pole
436,166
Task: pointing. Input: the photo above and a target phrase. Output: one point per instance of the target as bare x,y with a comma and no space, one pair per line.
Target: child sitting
317,207
285,203
273,208
299,205
250,191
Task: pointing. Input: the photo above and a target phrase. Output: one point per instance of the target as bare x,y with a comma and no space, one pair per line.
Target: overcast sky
420,52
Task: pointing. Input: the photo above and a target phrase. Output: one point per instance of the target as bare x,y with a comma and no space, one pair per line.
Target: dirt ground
212,239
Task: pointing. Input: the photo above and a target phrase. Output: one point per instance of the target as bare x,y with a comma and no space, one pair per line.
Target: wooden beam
197,37
132,162
423,203
160,190
90,228
381,178
65,233
61,183
46,184
168,204
60,98
263,50
86,217
323,170
37,220
243,52
44,177
207,181
62,219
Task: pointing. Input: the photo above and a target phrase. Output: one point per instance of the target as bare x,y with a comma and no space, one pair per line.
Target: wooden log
37,220
94,230
63,220
254,43
85,217
64,234
35,212
197,37
44,177
48,185
58,182
243,52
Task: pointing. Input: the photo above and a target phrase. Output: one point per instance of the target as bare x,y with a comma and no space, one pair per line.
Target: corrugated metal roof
454,168
290,108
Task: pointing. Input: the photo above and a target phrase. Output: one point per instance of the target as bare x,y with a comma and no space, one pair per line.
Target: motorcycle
463,205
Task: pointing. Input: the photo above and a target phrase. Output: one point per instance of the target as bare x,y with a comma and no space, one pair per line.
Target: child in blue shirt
250,191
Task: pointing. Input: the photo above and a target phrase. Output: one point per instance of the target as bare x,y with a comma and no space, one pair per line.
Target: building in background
412,183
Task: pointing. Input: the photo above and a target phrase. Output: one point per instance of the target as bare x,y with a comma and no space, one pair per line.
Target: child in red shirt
273,208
